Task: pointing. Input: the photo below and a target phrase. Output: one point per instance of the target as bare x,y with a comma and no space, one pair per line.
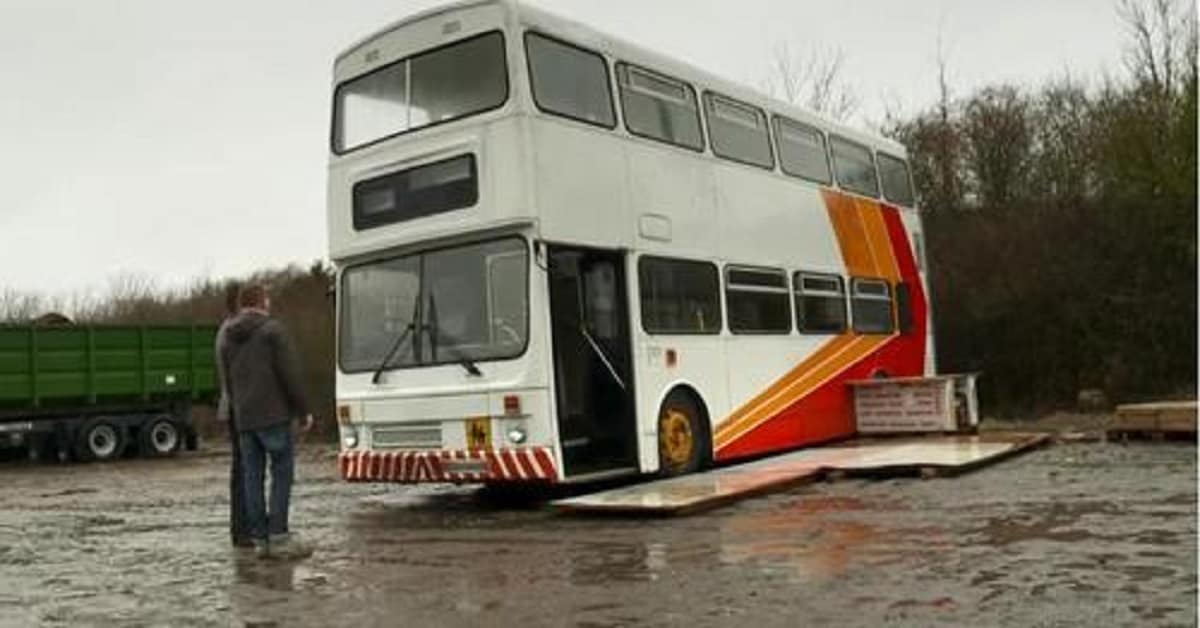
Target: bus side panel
674,188
811,402
681,198
700,365
579,176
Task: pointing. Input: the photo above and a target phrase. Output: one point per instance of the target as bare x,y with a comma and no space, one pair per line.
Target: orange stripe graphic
851,234
875,228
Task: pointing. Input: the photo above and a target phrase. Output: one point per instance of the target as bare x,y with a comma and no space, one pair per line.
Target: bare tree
812,80
1162,41
23,307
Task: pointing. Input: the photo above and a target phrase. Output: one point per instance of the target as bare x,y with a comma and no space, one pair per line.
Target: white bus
563,257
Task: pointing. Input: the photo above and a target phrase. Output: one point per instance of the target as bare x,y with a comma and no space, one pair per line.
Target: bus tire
160,437
99,439
681,439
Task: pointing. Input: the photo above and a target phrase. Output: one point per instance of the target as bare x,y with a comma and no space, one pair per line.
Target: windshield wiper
387,359
471,368
434,331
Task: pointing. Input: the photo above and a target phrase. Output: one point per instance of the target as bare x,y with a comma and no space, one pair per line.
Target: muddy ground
1074,534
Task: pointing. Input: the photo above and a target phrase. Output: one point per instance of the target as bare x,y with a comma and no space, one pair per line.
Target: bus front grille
422,435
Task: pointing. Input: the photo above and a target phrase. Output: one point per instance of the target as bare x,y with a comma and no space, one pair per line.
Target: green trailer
99,392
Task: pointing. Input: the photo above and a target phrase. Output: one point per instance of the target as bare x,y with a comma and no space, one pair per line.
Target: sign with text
905,405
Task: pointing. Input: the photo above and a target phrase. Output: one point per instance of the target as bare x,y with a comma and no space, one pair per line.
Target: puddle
1091,534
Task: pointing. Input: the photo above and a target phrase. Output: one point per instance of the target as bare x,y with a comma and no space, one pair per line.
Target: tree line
1061,226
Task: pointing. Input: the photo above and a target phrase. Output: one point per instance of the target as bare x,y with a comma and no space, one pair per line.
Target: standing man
238,532
262,376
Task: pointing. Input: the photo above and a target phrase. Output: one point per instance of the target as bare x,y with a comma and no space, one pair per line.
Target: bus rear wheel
680,439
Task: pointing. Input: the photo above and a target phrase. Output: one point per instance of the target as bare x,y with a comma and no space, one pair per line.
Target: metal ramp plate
938,455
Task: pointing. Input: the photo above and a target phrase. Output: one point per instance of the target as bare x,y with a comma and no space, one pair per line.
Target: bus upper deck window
569,81
439,85
854,166
659,107
802,150
893,175
738,131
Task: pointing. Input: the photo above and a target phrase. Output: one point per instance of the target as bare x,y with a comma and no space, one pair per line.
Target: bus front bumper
517,465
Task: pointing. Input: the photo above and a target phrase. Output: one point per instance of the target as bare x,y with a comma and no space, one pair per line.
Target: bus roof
624,50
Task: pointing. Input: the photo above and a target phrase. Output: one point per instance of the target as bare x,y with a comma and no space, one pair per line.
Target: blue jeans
257,446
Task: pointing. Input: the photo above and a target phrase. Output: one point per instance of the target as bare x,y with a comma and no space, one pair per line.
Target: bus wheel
160,438
679,436
100,440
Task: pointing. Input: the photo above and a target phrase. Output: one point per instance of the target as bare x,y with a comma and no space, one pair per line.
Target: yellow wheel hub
675,437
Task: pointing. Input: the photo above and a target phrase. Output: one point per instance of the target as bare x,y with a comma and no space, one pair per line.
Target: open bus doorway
593,366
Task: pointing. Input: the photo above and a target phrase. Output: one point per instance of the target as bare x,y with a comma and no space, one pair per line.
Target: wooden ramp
922,456
1170,419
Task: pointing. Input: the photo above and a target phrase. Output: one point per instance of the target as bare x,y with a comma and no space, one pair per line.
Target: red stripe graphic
527,466
507,465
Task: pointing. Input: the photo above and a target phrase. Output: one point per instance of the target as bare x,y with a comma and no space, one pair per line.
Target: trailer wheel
99,440
161,437
680,438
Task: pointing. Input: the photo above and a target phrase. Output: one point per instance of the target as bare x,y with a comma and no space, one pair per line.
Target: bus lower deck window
871,301
820,303
757,300
679,296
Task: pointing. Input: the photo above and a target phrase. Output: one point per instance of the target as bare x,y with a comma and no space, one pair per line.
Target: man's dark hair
253,295
233,290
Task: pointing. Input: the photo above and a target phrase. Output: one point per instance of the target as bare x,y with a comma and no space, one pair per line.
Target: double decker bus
562,257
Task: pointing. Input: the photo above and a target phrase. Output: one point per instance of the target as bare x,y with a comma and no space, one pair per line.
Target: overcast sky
175,139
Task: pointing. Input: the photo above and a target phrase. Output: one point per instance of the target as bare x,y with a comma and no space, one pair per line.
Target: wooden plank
924,457
1151,418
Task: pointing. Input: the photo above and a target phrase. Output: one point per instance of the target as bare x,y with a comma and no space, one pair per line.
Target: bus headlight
350,439
516,436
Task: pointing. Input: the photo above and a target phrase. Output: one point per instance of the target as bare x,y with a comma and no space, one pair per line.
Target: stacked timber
1158,421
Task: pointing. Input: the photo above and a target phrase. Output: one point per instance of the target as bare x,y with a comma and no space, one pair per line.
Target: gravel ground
1091,534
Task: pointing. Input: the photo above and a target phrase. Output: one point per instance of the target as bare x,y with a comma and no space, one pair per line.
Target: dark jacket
223,410
261,371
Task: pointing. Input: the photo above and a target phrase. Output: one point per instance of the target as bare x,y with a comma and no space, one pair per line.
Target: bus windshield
443,84
463,304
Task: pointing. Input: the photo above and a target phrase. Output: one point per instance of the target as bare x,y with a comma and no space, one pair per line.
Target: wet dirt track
1085,534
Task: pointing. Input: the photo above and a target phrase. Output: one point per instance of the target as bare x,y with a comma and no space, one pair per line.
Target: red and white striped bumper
410,467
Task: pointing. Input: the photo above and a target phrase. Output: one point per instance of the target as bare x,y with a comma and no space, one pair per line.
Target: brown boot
287,547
